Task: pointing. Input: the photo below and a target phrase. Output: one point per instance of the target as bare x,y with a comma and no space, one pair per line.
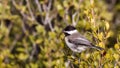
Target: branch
49,5
73,18
33,51
38,5
31,13
65,15
47,17
39,9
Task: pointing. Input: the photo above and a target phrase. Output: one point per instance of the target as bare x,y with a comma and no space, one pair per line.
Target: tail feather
98,48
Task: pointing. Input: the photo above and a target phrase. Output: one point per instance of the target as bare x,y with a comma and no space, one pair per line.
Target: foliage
30,33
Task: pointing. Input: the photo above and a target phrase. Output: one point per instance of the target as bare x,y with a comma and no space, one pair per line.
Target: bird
77,42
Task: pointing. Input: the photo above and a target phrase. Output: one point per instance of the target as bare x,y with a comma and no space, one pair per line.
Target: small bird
75,41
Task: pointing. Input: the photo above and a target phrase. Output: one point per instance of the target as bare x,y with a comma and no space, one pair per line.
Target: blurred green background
31,33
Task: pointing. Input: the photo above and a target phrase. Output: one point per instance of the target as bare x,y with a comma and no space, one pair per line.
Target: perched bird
75,41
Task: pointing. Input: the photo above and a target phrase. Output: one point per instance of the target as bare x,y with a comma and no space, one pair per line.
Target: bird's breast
68,43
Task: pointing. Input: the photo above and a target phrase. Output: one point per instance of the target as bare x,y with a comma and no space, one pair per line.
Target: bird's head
69,30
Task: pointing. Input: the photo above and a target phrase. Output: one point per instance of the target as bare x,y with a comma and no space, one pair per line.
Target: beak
64,31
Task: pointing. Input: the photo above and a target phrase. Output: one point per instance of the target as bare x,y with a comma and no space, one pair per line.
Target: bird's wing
80,41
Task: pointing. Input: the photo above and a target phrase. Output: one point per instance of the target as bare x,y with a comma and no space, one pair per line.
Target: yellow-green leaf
107,25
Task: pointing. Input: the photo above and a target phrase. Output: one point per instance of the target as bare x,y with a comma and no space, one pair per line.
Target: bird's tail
98,48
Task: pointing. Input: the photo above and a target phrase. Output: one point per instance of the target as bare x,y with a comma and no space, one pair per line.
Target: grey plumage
80,40
76,42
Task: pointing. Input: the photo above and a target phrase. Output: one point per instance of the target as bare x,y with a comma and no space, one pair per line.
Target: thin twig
49,5
73,18
47,17
67,63
14,43
39,9
38,5
30,10
65,16
24,18
33,51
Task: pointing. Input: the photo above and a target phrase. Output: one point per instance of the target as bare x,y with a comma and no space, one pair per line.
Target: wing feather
80,42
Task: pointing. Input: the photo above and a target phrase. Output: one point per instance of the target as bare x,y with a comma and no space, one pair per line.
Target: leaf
22,56
52,34
59,7
87,56
100,36
33,65
107,56
116,46
116,56
101,44
40,29
20,49
107,25
38,41
110,33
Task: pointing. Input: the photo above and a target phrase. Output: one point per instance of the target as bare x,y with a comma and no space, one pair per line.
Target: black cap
69,28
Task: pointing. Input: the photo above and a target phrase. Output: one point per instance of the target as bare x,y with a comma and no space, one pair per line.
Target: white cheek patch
71,32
